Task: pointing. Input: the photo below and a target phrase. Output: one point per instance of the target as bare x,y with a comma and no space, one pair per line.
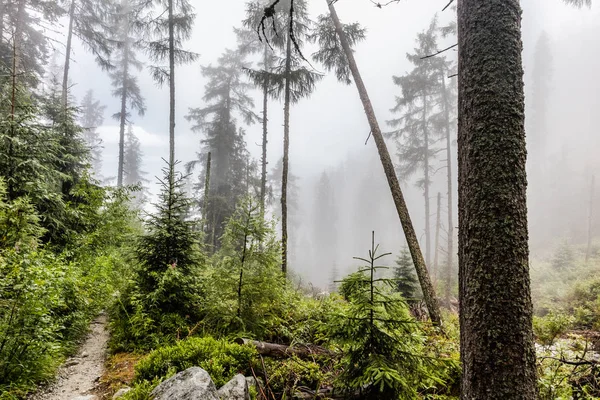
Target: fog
329,129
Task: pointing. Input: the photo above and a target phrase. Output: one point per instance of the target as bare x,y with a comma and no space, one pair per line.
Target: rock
84,354
192,384
71,362
121,392
87,397
235,389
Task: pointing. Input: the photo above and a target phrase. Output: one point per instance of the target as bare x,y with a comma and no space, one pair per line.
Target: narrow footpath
79,375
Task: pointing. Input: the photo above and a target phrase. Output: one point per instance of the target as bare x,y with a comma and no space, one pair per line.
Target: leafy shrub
47,299
285,376
220,358
585,304
551,326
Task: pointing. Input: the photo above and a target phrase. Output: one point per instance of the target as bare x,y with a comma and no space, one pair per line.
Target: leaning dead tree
429,295
409,231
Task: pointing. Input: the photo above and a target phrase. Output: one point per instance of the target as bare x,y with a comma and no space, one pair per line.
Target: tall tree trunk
450,238
2,8
286,149
206,189
388,167
436,251
497,347
10,190
65,83
263,174
426,185
123,115
590,220
171,89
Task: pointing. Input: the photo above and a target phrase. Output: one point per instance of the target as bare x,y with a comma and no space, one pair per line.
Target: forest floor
80,374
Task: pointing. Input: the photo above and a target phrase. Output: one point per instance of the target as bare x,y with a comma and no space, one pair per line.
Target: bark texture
286,156
409,232
497,348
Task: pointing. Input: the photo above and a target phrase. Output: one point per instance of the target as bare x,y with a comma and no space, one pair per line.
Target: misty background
342,194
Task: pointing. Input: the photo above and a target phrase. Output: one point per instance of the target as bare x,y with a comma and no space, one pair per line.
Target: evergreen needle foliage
170,244
404,273
381,342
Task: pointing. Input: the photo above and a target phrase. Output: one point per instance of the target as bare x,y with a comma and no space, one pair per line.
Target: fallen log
282,351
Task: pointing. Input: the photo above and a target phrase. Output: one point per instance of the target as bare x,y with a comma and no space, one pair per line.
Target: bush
551,326
221,359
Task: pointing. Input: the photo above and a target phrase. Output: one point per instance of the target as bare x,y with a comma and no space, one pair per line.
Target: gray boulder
235,389
86,397
192,384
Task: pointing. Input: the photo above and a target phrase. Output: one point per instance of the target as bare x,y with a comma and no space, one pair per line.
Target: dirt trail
80,374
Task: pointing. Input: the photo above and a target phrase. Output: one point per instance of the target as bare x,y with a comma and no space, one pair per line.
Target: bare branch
440,51
448,5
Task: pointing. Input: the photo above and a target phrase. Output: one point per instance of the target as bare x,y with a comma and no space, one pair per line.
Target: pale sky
330,124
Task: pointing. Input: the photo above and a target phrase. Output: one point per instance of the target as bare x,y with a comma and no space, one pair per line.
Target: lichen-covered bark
390,173
497,348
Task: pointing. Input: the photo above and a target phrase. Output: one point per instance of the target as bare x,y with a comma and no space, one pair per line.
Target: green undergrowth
48,293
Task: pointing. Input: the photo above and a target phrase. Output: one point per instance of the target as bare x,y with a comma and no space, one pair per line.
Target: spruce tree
87,22
91,117
168,253
415,133
291,81
381,342
226,97
260,76
406,282
132,166
168,27
23,34
125,83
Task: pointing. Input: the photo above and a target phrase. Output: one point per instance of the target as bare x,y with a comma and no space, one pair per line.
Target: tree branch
439,52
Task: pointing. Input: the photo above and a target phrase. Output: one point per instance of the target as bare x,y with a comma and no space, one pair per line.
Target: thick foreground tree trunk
409,231
497,348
